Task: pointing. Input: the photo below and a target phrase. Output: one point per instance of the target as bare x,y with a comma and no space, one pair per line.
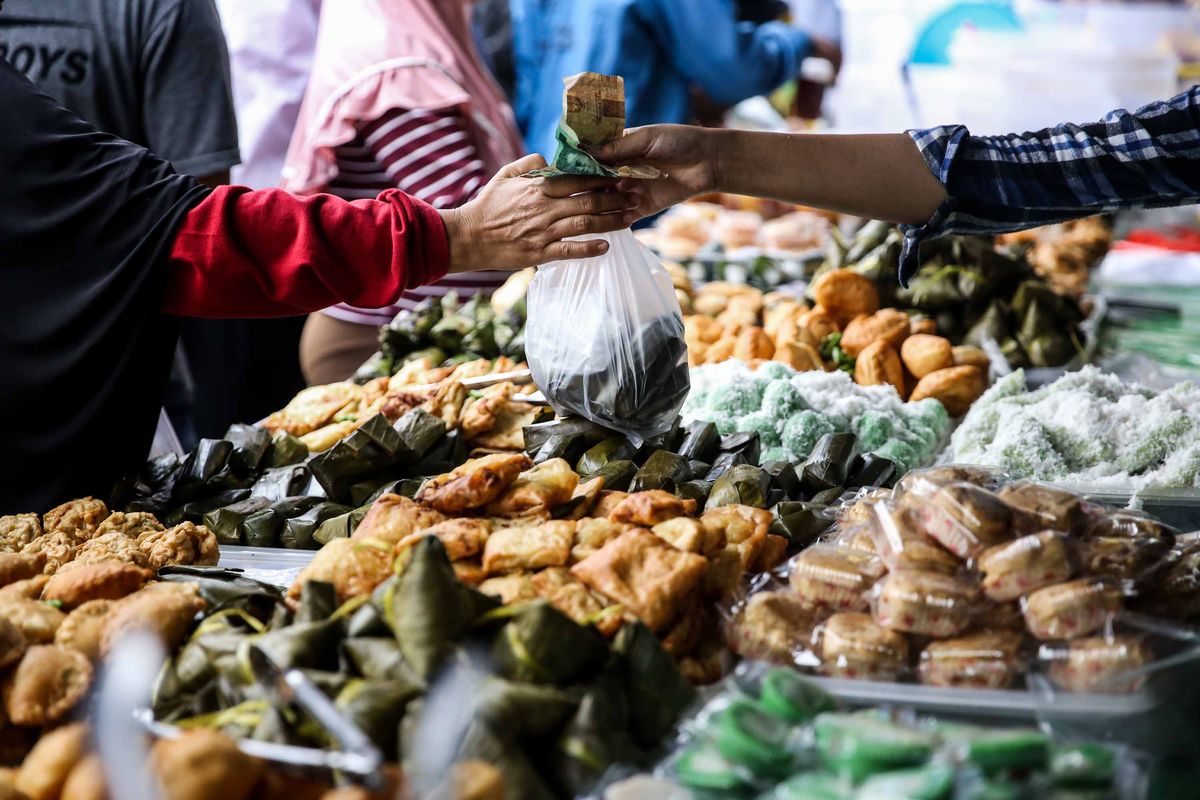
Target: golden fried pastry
742,526
111,546
78,518
509,431
547,544
879,364
544,486
84,627
845,294
30,588
773,626
966,355
20,566
956,387
684,533
133,524
354,567
583,500
516,587
980,660
1072,609
18,530
724,575
926,603
469,572
474,484
463,537
835,576
923,354
772,554
854,646
479,415
800,356
44,771
38,621
647,509
889,325
185,544
313,407
204,764
644,573
607,501
86,780
12,643
753,343
327,436
572,597
94,582
721,350
591,534
393,518
165,610
46,685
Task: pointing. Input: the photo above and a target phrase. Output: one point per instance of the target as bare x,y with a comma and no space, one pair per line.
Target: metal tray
276,565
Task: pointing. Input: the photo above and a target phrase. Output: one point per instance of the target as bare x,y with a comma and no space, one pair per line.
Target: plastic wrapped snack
980,660
923,602
605,341
835,576
963,518
854,646
1040,506
901,543
773,626
926,481
1097,664
1071,610
1024,565
1126,546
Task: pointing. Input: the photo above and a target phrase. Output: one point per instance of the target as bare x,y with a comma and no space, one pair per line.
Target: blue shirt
660,47
994,184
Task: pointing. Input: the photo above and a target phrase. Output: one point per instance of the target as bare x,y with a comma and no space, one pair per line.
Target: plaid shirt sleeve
1145,159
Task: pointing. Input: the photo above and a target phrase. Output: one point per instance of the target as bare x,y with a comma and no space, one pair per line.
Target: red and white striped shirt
429,155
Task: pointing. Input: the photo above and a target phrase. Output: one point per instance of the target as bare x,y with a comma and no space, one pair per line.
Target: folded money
593,115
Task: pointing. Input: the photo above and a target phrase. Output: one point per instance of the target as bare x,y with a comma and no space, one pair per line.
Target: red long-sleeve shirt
268,253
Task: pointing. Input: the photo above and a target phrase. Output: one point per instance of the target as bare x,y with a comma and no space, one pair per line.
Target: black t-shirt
86,224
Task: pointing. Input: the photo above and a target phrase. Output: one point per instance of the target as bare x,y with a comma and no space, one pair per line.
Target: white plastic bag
604,339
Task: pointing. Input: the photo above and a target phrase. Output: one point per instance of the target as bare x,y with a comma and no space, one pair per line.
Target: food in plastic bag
964,518
1126,546
1097,663
1040,506
773,626
835,576
981,660
922,602
1073,609
1024,565
854,646
605,342
902,545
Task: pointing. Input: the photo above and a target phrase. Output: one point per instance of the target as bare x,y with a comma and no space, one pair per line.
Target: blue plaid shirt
1145,159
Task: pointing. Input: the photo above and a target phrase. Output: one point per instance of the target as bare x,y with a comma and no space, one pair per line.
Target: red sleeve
268,253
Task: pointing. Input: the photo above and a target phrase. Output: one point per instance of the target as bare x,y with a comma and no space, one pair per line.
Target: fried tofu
354,567
682,533
474,484
509,431
607,501
78,518
479,416
314,408
593,533
584,499
544,486
392,518
572,597
469,572
743,527
516,587
184,544
21,566
647,509
463,537
644,573
547,544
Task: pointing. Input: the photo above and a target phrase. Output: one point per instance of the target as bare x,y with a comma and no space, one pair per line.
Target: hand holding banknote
686,157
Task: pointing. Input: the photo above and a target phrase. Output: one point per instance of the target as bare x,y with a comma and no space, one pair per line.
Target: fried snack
922,602
685,533
980,660
647,509
888,325
919,324
38,621
313,407
327,436
845,294
724,575
94,582
835,576
84,627
111,546
46,685
773,626
644,573
547,544
543,487
1071,610
607,501
1041,507
773,553
133,524
165,610
354,567
21,566
515,587
956,387
572,597
393,518
86,780
78,518
967,355
474,484
469,572
878,364
814,325
462,537
203,764
57,548
1098,664
591,534
854,646
923,354
509,430
743,526
584,499
44,771
963,518
12,643
800,356
753,343
479,415
18,530
1024,565
185,544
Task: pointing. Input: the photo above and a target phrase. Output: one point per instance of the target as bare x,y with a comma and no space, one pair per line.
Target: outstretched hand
686,155
517,222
